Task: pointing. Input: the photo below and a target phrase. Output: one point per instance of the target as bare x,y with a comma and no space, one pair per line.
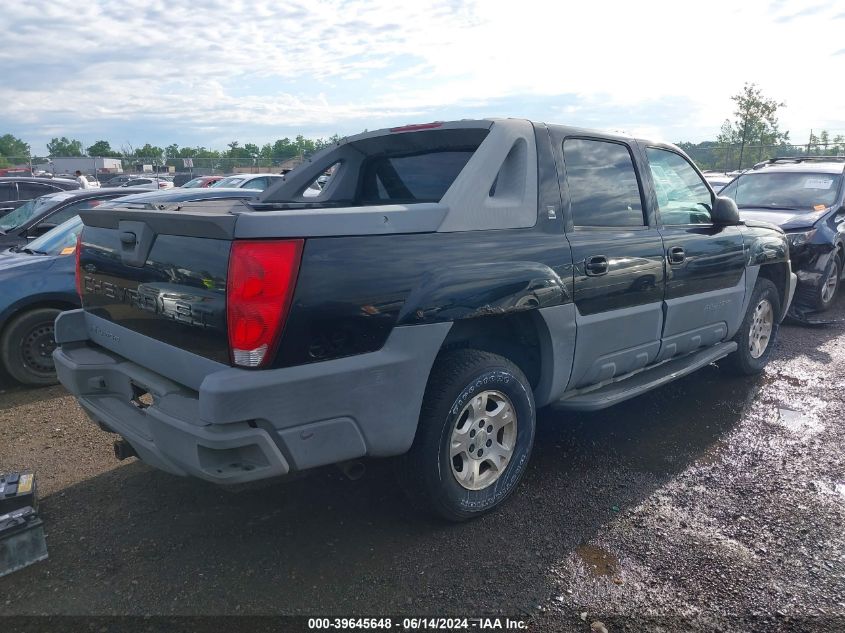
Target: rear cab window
398,168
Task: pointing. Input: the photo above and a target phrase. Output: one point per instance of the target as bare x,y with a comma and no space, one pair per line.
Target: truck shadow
134,540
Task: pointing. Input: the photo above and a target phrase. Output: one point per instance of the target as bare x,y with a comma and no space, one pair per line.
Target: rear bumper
242,425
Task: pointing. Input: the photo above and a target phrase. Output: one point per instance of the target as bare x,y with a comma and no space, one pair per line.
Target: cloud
256,70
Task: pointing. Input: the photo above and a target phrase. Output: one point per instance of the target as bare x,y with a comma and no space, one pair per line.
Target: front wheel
474,438
756,335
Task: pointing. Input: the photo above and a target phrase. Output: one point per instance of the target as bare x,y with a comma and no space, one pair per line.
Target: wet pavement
713,503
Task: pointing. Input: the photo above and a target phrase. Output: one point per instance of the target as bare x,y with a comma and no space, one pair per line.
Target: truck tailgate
161,273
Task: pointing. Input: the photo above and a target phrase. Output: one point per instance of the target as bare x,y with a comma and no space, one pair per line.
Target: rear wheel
475,435
26,347
756,335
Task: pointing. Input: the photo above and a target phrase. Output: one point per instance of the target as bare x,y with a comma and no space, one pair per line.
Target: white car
152,182
260,182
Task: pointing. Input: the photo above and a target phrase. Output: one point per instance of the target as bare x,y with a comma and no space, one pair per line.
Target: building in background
85,164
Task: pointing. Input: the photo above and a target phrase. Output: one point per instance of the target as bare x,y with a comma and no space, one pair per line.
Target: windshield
191,184
60,240
785,190
25,212
231,181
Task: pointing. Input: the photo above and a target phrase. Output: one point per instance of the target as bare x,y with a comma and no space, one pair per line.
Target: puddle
599,561
799,423
712,454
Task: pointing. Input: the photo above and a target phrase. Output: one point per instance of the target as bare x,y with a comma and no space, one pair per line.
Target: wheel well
514,337
776,273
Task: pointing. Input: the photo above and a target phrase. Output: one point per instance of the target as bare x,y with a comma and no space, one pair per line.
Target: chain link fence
104,168
730,158
708,155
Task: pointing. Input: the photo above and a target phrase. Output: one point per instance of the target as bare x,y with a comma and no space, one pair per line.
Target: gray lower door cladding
715,315
615,342
556,330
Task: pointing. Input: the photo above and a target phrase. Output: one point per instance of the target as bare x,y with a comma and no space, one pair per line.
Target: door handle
595,265
676,255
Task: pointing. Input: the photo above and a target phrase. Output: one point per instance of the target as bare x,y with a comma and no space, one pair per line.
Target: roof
56,181
803,167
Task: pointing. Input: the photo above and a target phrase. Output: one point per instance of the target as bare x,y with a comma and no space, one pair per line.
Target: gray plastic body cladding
557,351
723,309
615,342
646,380
372,220
382,391
160,358
510,153
241,425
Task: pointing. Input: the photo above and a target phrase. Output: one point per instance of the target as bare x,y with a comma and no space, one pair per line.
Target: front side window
25,213
603,187
257,183
794,191
682,196
230,181
73,210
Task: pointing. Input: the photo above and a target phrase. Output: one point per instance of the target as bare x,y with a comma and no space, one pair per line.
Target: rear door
705,263
618,259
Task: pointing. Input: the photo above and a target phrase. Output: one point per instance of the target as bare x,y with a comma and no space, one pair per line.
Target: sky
253,71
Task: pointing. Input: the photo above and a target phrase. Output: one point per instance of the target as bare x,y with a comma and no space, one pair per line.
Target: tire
824,295
460,384
748,359
26,347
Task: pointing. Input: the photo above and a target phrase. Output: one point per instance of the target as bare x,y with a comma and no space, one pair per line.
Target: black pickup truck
448,279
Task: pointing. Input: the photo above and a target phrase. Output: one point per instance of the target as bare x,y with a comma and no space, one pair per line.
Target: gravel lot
714,503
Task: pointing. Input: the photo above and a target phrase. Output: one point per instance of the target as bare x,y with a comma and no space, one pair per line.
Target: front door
618,261
705,263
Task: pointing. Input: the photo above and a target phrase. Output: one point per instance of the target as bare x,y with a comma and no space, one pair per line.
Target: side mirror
40,229
725,212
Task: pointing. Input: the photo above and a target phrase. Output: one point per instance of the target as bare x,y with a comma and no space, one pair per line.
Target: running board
643,381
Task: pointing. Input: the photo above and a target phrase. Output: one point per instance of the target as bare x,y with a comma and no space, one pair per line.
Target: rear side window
29,190
7,191
603,187
423,177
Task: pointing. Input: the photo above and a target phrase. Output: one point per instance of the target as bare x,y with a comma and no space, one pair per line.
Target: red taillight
259,289
417,126
78,267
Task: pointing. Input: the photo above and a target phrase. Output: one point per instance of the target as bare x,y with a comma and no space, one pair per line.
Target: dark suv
17,190
806,198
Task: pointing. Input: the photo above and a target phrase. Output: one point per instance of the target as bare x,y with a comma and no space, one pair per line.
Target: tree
149,152
102,149
13,147
65,147
755,122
